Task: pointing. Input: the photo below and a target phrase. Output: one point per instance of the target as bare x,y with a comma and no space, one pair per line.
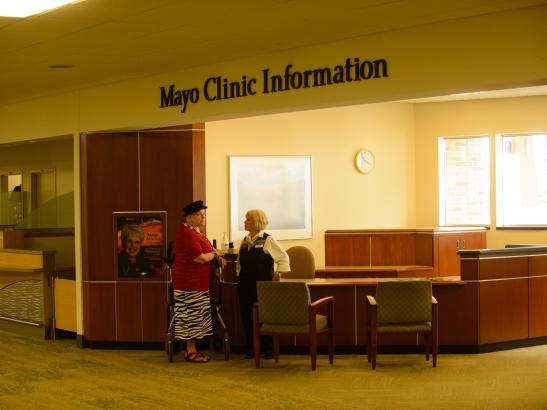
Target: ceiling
113,40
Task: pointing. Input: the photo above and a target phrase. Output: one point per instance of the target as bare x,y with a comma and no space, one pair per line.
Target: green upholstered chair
402,306
284,308
302,263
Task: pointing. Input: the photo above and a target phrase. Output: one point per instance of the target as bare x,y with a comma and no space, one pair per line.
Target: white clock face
364,161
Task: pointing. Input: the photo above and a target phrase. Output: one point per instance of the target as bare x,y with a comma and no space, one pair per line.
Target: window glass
464,181
521,180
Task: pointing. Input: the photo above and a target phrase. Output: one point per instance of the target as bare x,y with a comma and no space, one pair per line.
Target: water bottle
224,243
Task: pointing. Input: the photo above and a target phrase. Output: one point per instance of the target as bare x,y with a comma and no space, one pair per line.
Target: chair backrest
302,263
283,302
404,301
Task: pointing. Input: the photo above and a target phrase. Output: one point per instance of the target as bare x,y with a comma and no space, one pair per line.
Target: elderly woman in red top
190,274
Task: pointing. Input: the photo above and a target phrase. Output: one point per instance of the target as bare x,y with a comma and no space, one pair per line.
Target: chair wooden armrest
322,301
314,307
434,311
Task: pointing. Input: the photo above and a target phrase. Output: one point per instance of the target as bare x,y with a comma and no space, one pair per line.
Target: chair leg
434,347
427,343
313,350
368,342
276,348
373,347
331,347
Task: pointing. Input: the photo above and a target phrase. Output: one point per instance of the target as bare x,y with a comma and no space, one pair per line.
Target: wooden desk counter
350,294
397,271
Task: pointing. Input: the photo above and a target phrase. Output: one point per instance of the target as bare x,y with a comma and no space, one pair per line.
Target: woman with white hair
261,258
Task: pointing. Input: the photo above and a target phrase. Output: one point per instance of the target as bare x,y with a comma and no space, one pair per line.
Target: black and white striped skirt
192,315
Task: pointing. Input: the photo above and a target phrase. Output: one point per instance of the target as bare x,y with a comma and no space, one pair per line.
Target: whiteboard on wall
280,186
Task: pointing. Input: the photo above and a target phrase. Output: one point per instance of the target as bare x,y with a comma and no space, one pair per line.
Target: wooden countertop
445,280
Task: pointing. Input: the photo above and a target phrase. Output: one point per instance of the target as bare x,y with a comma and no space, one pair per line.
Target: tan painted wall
461,118
342,197
57,154
41,155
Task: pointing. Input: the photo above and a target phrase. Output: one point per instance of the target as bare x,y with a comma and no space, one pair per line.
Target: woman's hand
276,277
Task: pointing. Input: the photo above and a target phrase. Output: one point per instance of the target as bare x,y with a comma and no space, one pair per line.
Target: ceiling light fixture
25,8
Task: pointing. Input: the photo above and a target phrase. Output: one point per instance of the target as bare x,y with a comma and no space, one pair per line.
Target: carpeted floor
37,374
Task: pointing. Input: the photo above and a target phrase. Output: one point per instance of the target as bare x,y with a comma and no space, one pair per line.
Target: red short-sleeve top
187,274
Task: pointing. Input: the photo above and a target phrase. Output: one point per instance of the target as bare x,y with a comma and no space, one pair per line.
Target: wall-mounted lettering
219,88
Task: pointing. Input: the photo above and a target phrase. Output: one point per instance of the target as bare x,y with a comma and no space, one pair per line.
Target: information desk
501,297
398,271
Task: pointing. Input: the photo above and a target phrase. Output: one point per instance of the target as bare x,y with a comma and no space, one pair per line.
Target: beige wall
56,154
342,197
462,118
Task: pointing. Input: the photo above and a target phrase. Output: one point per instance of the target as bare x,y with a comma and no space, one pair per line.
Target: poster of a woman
140,241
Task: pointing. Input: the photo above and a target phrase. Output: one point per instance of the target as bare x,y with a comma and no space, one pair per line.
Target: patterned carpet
37,374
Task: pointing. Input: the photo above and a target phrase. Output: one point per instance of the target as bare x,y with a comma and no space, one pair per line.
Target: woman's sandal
196,357
204,355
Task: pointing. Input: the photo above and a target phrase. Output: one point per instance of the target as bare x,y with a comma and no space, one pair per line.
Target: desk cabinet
448,246
436,247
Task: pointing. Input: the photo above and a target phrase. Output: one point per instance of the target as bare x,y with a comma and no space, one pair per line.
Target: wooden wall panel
394,249
538,307
99,311
448,258
361,311
538,265
538,290
469,269
231,314
135,171
424,249
154,311
347,250
128,312
110,178
503,310
172,167
499,268
344,314
458,313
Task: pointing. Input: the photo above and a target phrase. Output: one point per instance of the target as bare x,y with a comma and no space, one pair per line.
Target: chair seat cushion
404,327
320,320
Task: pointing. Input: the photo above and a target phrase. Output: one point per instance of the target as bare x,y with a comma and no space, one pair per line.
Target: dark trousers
247,298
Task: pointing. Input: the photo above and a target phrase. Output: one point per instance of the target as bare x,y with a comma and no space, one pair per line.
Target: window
521,180
464,181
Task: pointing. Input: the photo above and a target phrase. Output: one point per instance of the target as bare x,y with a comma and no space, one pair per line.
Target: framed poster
139,239
280,186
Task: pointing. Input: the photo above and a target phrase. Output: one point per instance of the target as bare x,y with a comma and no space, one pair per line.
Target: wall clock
364,161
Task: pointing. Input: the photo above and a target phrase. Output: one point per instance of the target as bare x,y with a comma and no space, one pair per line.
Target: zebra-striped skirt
192,315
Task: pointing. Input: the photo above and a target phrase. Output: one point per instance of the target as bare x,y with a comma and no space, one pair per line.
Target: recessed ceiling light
61,66
25,8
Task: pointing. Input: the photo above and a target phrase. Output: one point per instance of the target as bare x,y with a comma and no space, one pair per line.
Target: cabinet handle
463,243
458,244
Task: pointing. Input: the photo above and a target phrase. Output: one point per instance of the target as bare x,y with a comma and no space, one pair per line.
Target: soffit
115,40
